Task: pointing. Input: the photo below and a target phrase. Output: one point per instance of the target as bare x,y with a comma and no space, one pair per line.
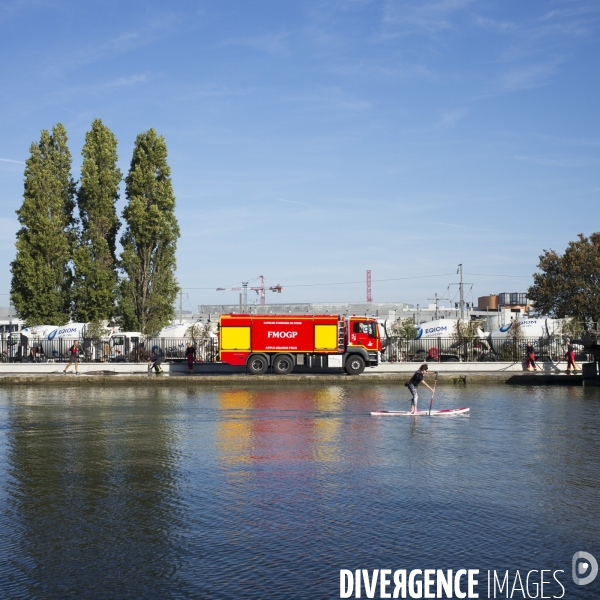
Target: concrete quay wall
218,368
122,374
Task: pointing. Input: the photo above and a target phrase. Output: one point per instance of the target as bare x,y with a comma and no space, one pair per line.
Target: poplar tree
41,274
95,283
149,288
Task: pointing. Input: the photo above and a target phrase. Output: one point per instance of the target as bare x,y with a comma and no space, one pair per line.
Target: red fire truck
284,341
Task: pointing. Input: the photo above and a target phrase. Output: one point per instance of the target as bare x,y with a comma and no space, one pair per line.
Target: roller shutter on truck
326,337
235,338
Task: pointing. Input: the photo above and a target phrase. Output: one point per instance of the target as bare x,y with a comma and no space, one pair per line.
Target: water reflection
269,492
235,432
93,494
289,425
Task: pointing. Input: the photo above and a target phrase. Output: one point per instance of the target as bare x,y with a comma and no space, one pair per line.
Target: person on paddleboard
415,380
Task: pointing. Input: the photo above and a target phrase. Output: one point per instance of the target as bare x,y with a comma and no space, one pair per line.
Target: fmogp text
439,583
282,334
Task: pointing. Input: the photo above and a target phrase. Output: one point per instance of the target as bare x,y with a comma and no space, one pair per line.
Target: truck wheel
257,364
283,364
355,364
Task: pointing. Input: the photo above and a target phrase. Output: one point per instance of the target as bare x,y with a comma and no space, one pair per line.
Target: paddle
433,393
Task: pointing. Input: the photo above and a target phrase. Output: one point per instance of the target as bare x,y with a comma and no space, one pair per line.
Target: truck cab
363,332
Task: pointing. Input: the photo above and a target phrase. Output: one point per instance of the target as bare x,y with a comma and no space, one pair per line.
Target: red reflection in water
293,425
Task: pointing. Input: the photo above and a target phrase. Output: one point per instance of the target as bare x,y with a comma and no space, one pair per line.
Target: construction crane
260,290
245,292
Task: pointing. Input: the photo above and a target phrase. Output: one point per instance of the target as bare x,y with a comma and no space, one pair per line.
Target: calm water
140,493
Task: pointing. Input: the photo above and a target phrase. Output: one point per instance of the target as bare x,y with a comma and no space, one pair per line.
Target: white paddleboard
447,412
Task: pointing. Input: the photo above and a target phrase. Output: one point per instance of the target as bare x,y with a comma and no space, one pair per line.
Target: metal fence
128,350
475,349
396,349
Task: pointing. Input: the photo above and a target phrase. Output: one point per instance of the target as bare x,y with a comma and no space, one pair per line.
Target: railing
207,350
433,350
396,349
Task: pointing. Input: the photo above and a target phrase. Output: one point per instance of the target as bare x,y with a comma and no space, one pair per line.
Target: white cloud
10,9
558,162
150,31
527,77
450,118
470,227
427,17
292,201
10,160
69,91
273,43
329,97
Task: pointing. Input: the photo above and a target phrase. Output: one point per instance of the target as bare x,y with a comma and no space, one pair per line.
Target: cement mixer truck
25,344
436,341
546,335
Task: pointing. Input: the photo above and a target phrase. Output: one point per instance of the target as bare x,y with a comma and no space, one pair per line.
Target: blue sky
312,140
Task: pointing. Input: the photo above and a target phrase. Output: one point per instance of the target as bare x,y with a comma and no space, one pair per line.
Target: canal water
267,493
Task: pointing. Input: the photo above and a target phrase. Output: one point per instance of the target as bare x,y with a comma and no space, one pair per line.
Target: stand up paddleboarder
415,380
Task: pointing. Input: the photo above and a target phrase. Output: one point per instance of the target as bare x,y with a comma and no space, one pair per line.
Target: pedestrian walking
190,355
413,383
531,357
571,358
73,358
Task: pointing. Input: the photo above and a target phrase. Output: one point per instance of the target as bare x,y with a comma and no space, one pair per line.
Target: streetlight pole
245,288
462,298
437,302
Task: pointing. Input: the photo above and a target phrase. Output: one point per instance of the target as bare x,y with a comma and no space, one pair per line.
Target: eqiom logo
419,333
53,334
585,568
506,327
437,329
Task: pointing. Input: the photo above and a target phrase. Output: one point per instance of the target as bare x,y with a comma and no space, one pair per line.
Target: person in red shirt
190,355
73,358
571,358
531,357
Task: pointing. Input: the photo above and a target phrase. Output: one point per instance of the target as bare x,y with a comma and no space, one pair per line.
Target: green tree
569,284
405,328
198,332
95,283
149,288
41,274
466,330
